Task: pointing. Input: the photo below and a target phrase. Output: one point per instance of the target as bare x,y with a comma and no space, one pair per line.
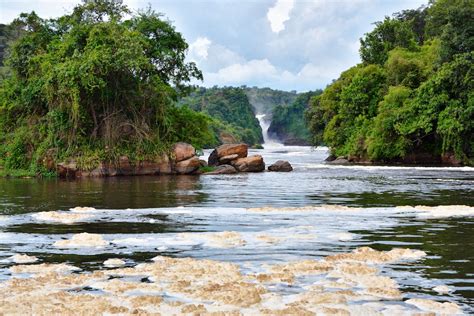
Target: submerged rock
249,164
281,166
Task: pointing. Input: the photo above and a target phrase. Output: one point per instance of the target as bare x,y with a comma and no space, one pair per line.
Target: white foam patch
83,240
61,217
114,262
343,236
20,259
443,211
82,209
442,289
368,167
446,308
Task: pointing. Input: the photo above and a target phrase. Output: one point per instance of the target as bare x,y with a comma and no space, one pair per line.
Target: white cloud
279,14
261,72
199,48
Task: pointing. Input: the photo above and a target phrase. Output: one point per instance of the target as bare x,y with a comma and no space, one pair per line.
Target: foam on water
371,167
82,240
185,285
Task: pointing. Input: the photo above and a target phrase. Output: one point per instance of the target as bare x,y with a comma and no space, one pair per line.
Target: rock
164,165
226,159
213,159
67,169
339,161
241,150
450,160
249,164
223,169
183,151
281,166
188,166
203,163
330,158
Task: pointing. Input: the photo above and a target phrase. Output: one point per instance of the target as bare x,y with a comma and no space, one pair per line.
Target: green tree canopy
98,79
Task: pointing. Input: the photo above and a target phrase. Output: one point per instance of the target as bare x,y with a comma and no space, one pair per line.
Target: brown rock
226,159
281,166
149,168
67,169
249,164
241,150
164,164
223,169
183,151
188,166
450,159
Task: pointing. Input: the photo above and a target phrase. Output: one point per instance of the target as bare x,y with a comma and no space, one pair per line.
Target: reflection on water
141,217
31,195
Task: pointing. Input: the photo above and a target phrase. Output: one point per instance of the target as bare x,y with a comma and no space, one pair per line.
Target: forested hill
288,121
233,114
412,97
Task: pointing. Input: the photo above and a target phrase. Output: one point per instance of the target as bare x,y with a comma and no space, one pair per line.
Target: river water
315,211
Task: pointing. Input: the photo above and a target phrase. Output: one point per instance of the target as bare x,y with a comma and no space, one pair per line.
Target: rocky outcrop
182,160
281,166
249,164
241,150
232,158
223,169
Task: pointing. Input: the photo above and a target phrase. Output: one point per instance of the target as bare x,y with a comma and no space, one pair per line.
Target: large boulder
249,164
187,166
281,166
223,169
183,151
241,150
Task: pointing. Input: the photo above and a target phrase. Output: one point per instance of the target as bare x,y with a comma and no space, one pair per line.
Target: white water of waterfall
267,140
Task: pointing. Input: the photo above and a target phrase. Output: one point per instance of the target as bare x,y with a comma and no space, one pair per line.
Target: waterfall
267,140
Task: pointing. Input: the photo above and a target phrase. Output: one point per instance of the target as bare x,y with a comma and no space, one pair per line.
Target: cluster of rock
226,159
182,160
233,158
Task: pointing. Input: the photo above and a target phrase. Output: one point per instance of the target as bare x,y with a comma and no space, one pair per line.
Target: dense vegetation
413,93
93,85
288,123
233,115
264,100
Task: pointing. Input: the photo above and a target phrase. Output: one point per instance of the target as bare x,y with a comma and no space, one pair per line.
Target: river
315,211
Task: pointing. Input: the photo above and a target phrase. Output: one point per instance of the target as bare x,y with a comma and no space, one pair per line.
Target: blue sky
284,44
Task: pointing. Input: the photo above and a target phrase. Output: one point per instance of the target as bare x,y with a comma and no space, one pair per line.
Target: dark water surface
140,217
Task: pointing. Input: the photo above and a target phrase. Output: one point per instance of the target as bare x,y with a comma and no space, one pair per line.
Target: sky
297,45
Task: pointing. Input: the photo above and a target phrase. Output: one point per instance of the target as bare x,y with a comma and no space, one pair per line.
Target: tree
95,81
387,35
